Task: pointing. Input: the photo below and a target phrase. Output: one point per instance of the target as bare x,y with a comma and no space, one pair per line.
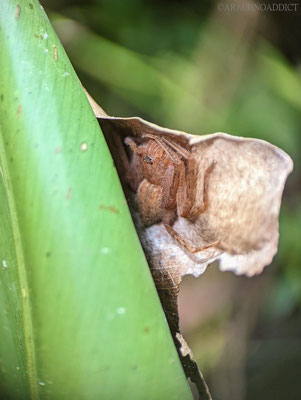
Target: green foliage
80,317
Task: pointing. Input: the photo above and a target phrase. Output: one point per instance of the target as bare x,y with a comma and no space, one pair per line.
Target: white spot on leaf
84,146
105,250
121,310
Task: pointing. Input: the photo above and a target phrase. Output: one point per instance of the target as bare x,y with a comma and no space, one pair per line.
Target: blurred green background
202,68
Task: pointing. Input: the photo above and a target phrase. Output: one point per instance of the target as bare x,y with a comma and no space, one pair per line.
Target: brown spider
169,172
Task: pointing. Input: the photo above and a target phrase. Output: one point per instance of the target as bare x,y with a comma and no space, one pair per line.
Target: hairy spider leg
134,172
185,243
133,145
178,148
202,207
169,189
187,207
186,191
173,156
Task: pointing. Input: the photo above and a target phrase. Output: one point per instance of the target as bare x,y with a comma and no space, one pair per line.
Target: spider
169,174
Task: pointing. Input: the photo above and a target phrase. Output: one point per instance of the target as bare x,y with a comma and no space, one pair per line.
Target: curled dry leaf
198,199
239,225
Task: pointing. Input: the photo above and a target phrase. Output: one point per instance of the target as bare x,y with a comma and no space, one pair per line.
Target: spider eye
148,160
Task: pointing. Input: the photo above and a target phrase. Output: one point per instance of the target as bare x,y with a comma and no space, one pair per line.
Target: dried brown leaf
244,197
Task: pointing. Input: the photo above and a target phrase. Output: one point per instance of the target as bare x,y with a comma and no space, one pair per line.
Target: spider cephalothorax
165,175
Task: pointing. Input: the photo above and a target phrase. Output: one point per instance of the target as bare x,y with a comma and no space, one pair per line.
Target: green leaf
79,313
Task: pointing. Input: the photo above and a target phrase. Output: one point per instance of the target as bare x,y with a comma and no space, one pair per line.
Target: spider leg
163,141
183,242
169,189
186,197
177,147
186,188
201,208
133,145
134,173
170,152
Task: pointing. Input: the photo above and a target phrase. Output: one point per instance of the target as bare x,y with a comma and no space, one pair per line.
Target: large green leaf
79,314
